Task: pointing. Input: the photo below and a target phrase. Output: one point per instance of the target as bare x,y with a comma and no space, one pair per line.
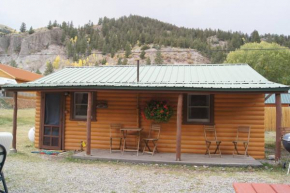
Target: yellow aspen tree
80,63
55,63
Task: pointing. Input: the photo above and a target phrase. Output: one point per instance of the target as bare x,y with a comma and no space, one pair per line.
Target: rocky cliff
31,51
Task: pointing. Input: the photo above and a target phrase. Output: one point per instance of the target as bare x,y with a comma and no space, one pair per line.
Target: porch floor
169,158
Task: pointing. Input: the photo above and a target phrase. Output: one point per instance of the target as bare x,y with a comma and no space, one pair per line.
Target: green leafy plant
159,111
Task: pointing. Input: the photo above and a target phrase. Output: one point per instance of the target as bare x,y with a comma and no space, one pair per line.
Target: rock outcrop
31,51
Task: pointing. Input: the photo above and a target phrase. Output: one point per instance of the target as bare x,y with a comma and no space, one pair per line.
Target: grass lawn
64,173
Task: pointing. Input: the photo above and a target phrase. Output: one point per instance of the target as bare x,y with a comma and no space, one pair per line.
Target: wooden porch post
278,126
178,132
89,118
14,123
138,112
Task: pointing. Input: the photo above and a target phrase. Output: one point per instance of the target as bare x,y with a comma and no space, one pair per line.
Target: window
79,106
198,109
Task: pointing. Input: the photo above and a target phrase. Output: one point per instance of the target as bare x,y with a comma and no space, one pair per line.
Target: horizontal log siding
230,111
122,109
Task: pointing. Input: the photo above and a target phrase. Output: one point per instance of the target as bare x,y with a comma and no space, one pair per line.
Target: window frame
73,105
187,121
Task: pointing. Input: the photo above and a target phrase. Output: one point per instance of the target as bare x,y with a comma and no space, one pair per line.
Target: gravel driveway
50,174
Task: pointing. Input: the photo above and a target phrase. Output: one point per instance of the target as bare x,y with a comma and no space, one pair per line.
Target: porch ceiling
206,77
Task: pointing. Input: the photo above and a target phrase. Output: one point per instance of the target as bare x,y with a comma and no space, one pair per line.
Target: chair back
243,133
3,154
155,131
115,130
210,133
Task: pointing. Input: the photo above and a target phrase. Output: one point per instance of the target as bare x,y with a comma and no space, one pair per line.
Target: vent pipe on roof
137,70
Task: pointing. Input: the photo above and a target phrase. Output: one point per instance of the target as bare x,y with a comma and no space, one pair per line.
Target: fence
270,118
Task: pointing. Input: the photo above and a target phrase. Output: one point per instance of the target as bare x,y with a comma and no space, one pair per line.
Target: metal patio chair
3,154
115,133
211,138
153,136
243,137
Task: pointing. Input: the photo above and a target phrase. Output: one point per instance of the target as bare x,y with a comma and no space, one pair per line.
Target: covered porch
169,158
231,102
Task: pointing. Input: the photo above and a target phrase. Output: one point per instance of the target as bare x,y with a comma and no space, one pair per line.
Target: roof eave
140,88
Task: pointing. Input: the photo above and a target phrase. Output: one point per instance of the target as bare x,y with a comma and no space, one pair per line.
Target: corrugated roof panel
217,76
285,99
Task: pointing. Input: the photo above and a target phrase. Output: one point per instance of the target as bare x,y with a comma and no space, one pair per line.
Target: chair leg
111,145
120,145
236,149
4,183
246,145
124,145
218,148
208,148
144,147
155,147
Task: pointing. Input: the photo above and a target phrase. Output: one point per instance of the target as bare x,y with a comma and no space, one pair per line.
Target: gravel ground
46,173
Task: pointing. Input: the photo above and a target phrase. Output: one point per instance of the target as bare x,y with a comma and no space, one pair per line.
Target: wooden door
52,118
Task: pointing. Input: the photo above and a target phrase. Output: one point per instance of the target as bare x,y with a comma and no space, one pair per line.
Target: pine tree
119,61
255,37
48,69
37,71
148,61
13,63
104,61
128,50
100,21
158,58
142,55
49,26
63,36
125,61
54,23
31,31
23,27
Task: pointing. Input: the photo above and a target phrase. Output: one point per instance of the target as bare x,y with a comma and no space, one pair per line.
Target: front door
51,134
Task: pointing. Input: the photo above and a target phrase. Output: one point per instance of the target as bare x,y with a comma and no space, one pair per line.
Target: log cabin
224,95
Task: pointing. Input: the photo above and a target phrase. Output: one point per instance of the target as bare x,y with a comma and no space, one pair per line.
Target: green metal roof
285,98
218,77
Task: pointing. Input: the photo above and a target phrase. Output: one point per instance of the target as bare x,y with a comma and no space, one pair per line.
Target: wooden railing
270,118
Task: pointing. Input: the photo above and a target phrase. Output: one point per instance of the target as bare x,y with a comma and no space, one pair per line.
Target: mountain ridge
117,41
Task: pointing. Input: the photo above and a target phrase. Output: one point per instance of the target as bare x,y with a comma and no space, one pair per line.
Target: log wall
230,110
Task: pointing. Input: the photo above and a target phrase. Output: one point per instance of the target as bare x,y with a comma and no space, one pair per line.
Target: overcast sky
266,16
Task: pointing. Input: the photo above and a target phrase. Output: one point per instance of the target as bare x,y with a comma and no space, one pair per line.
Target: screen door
52,131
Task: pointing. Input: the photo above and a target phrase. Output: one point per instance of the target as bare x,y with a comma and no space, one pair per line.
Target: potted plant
158,111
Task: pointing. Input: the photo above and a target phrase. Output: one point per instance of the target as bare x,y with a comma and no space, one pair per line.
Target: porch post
178,124
89,118
14,123
138,112
278,126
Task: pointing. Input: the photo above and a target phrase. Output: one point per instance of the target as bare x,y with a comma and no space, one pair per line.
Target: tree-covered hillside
113,35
